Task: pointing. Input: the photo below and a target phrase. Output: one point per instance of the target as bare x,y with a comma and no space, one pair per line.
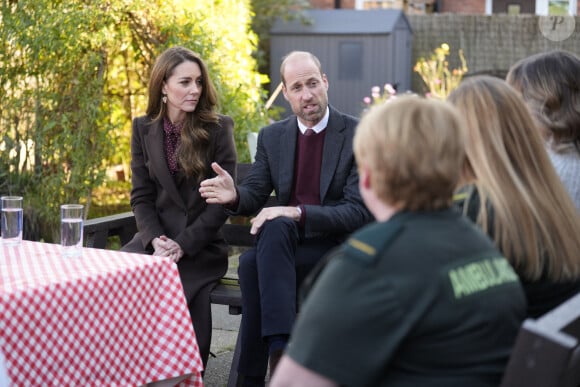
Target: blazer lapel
333,143
154,145
287,152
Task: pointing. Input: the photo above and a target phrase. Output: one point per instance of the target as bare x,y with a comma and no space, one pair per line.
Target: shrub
437,76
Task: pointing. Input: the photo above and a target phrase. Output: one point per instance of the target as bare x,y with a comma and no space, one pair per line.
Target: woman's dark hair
191,154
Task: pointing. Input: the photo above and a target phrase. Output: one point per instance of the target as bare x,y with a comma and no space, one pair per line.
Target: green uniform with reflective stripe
424,299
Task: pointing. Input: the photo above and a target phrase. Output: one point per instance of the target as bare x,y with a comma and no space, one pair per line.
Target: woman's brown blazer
171,205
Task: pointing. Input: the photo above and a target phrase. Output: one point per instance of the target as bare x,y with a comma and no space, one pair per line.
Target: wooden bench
97,232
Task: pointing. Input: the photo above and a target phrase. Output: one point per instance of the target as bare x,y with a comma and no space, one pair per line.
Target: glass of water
12,221
71,229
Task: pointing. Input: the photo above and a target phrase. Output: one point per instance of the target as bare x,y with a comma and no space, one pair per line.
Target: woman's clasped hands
165,247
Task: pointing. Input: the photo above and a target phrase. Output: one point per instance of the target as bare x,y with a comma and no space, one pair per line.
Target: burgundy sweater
308,160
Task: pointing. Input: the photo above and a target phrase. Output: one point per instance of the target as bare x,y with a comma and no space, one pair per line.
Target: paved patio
223,342
225,331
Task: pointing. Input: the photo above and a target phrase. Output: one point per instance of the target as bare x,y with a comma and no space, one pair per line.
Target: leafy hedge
74,73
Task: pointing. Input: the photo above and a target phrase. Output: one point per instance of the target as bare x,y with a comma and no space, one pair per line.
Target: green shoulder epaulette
366,245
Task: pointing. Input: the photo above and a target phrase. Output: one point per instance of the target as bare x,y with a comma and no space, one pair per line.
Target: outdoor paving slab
223,342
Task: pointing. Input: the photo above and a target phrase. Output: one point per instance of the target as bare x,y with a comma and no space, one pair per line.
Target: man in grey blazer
307,159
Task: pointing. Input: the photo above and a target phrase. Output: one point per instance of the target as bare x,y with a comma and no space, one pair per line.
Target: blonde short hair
415,150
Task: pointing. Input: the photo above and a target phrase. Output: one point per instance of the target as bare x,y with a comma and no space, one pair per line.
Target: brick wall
453,5
322,4
329,4
456,6
471,6
409,5
463,6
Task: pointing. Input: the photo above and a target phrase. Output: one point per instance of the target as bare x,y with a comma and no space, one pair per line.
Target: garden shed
358,49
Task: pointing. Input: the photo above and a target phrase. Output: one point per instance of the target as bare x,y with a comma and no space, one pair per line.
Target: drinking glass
71,229
12,220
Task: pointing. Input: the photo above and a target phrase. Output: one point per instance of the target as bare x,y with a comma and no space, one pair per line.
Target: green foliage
265,13
74,73
558,8
111,197
52,116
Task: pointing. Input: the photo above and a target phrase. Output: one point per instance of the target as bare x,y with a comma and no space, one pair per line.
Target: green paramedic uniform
424,299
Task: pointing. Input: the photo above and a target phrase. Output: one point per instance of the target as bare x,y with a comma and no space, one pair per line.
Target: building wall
463,6
409,6
452,6
478,6
330,4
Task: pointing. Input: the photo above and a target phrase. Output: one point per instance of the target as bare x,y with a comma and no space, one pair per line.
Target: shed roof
342,21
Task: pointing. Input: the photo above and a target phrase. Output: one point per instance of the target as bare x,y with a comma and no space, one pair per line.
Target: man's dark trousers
270,274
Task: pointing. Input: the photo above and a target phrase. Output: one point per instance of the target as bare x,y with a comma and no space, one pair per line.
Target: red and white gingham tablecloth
107,318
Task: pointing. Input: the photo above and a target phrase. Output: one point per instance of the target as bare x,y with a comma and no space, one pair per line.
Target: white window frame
541,7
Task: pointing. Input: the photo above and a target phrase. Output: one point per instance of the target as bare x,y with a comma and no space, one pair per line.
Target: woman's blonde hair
415,149
535,223
191,154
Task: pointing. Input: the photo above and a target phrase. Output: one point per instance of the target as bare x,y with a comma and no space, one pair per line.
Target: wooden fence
491,43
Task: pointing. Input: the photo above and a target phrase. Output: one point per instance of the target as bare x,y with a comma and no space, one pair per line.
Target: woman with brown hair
172,148
550,85
514,194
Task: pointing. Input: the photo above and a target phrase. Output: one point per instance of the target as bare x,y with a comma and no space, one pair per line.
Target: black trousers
270,274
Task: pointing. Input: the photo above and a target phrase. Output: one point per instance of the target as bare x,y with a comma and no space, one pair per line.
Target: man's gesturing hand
220,189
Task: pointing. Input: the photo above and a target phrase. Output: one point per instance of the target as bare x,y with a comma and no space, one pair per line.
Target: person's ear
365,177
